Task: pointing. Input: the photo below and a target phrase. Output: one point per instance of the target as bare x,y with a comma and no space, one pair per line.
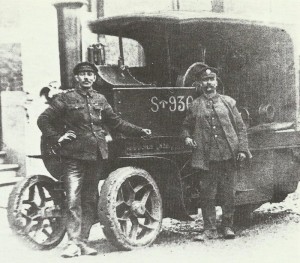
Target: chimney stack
69,37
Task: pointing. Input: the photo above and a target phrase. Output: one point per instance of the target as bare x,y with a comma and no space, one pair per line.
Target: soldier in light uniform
213,127
83,148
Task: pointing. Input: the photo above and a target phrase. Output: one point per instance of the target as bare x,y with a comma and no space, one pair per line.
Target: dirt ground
272,236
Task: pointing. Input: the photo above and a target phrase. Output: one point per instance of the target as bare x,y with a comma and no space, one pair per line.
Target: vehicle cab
257,66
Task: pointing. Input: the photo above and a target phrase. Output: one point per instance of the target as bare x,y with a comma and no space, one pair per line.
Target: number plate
160,109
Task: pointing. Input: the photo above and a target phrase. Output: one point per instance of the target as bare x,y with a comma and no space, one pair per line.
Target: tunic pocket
98,109
97,106
77,112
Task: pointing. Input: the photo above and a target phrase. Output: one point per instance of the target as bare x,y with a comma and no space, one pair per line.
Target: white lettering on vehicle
174,103
154,101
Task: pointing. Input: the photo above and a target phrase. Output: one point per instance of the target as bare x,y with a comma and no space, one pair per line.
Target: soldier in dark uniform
213,127
83,149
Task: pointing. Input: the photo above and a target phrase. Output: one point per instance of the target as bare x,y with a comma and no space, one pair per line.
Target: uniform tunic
198,125
219,148
85,113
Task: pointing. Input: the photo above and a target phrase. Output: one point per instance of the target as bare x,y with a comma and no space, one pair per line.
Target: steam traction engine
147,180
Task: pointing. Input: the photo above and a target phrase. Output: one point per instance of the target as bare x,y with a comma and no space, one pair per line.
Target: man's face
85,79
209,85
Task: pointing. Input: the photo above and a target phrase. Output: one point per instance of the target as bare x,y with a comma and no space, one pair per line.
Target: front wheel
130,208
36,211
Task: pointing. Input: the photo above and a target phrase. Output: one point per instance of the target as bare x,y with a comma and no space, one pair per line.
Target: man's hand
190,142
241,157
147,133
68,136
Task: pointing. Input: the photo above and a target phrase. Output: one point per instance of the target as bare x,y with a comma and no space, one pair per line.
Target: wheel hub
138,208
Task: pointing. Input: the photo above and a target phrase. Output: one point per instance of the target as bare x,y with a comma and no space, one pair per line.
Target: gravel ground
272,236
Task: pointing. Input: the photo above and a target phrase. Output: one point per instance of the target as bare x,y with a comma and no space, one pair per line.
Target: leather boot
206,235
87,250
72,250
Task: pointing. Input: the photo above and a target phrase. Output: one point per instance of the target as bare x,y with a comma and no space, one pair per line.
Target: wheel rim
39,214
138,210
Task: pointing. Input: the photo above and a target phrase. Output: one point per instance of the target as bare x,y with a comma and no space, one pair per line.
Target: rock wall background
11,78
10,47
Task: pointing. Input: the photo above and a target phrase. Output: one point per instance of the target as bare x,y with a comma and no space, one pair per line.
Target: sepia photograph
149,131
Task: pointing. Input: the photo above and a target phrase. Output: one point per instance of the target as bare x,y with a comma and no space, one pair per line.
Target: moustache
210,86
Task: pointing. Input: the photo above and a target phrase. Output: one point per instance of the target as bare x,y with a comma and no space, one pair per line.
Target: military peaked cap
208,72
85,66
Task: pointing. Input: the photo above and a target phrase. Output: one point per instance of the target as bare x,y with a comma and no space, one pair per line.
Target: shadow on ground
176,232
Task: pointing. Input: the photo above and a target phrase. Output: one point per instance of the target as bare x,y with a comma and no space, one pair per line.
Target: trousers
81,180
219,181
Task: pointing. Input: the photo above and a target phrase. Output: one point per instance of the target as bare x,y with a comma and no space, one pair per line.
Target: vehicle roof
134,24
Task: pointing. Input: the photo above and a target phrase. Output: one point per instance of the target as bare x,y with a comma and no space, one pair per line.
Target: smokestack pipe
69,38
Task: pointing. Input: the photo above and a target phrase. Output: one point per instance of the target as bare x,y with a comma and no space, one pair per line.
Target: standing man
213,127
83,149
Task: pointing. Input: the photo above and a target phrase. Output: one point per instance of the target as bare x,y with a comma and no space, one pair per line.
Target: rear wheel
130,208
36,212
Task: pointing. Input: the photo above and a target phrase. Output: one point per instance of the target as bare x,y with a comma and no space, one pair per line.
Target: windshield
132,50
